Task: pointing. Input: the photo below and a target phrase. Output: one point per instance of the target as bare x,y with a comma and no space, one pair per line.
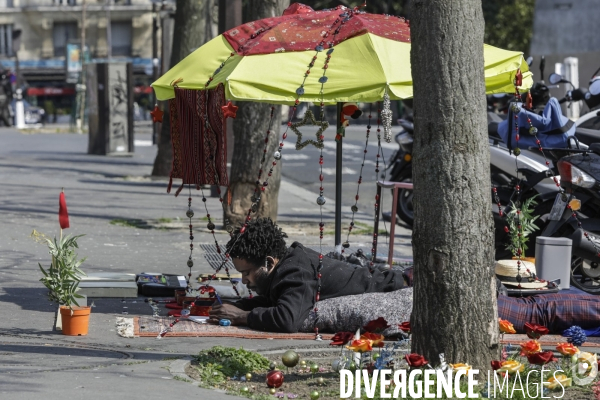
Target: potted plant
521,223
62,279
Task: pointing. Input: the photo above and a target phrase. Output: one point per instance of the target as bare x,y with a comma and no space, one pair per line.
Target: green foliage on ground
218,363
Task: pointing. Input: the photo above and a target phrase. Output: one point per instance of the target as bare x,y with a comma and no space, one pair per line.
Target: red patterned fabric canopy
300,28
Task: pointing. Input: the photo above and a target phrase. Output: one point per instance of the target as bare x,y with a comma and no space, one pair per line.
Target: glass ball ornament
350,365
314,395
277,155
533,131
354,209
189,213
290,359
303,363
517,151
272,391
244,389
229,228
210,226
346,244
254,207
320,381
320,200
376,356
515,108
275,379
273,366
248,376
337,365
190,263
314,368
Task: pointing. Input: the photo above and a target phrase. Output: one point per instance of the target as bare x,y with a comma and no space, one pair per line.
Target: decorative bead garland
190,214
354,208
374,249
167,329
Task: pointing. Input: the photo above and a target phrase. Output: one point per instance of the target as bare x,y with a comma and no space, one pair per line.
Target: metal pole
338,184
154,63
82,74
108,32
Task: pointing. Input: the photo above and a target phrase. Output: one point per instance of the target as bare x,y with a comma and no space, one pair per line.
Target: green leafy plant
218,363
63,275
521,223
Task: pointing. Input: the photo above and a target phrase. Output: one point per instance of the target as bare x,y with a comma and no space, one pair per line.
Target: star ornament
309,117
229,110
157,114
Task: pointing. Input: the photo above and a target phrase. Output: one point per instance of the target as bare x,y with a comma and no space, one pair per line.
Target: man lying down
285,283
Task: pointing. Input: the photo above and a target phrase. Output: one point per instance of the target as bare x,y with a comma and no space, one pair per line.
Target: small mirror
575,204
529,60
554,78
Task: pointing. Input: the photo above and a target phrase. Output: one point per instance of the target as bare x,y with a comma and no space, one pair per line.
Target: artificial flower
506,326
530,347
567,349
375,338
460,367
496,365
415,360
377,325
341,338
540,358
405,327
360,346
535,331
511,366
556,381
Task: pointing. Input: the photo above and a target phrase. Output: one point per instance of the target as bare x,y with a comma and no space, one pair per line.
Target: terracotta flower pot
75,323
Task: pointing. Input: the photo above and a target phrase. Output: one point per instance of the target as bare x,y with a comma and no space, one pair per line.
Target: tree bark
249,131
194,20
454,309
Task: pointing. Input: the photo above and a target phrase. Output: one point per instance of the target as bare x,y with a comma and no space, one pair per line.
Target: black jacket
293,287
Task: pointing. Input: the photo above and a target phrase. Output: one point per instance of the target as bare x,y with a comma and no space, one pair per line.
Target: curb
177,369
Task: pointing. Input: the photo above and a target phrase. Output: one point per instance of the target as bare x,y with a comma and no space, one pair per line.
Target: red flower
415,360
375,338
535,331
376,325
405,327
541,358
496,365
341,338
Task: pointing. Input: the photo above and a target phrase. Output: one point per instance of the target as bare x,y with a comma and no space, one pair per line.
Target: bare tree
194,21
249,130
455,311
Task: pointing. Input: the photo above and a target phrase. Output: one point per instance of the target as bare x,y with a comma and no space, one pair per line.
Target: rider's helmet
540,95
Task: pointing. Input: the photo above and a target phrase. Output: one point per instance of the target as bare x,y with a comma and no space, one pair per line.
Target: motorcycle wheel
585,275
404,208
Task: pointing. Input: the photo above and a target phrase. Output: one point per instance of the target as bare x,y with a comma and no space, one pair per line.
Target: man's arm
250,304
294,290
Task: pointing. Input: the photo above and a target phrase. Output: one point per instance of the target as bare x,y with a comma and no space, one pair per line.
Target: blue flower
575,335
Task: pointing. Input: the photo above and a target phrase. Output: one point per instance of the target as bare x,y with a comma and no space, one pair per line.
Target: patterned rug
148,326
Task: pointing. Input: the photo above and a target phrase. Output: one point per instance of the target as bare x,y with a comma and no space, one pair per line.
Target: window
6,40
63,33
120,32
65,2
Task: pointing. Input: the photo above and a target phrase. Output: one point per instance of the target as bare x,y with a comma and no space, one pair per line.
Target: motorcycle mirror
529,60
555,78
575,204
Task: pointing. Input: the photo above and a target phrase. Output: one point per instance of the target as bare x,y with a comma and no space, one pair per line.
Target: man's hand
230,312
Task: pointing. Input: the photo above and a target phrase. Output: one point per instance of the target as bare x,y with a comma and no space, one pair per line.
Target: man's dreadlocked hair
261,239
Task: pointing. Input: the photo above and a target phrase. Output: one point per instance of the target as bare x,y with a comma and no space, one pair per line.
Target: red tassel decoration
63,215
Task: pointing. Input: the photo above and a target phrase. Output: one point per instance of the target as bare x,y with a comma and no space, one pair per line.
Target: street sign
73,61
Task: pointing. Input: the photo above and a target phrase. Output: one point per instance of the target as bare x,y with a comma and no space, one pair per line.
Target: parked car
33,114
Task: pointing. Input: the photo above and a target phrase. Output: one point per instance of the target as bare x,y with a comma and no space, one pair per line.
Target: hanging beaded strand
354,208
190,214
373,248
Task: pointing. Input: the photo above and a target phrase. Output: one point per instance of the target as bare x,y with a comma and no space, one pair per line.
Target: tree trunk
454,310
192,28
249,131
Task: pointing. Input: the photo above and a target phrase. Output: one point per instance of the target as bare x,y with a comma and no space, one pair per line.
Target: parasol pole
338,183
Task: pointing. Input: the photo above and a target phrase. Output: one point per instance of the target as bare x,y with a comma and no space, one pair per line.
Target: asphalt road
302,166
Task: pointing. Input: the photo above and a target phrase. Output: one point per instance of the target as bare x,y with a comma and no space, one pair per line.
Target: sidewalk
36,361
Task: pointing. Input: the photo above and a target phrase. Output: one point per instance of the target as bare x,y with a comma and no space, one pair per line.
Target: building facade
48,30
